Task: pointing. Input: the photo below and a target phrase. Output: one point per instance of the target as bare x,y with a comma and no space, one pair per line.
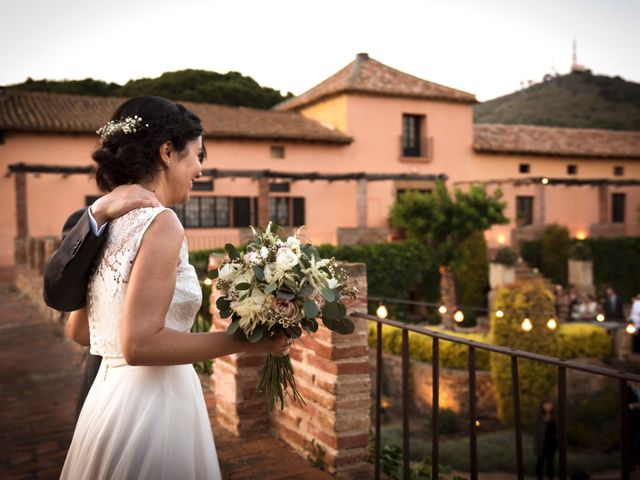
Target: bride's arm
77,327
145,340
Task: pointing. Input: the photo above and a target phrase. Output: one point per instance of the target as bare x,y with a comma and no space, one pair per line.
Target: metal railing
562,365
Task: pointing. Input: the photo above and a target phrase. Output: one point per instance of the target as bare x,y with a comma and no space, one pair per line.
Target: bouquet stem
276,377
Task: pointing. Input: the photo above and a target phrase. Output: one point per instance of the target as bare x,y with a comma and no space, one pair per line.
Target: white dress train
140,422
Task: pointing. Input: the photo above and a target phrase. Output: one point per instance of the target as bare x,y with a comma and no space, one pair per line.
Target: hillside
230,88
579,100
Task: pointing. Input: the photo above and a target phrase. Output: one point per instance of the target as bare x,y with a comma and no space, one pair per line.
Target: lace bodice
108,284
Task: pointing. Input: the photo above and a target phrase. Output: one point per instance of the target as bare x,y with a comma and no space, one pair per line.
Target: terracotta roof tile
50,112
556,141
368,76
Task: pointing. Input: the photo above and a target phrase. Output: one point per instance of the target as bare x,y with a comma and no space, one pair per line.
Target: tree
443,222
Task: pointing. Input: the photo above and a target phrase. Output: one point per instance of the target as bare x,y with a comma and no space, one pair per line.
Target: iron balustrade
563,365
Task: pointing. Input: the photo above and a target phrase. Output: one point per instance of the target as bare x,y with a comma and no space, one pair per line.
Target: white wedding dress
140,422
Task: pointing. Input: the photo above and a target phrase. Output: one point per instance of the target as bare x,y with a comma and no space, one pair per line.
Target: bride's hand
278,346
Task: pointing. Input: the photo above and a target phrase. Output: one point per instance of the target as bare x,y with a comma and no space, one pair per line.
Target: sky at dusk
487,47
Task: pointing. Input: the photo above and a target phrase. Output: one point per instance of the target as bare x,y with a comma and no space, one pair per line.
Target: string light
499,314
458,316
442,309
552,324
631,329
526,325
208,282
381,311
545,181
477,423
600,317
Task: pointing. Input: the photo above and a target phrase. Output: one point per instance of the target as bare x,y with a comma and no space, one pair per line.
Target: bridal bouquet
281,287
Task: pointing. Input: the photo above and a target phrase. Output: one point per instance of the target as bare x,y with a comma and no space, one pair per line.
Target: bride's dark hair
133,157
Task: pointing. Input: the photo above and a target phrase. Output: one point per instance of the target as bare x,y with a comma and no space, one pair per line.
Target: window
572,169
618,171
524,168
287,211
524,210
242,214
203,185
204,212
618,201
277,151
411,135
280,187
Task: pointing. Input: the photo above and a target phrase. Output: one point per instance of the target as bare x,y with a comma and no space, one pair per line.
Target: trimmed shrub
471,269
523,300
580,250
583,340
506,256
452,355
531,252
555,252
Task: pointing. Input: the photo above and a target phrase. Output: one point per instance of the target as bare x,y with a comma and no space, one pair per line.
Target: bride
145,415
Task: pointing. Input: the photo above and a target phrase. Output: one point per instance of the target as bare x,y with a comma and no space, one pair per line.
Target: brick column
332,373
263,202
362,203
239,408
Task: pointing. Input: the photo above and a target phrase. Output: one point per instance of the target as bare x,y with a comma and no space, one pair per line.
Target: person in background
588,308
545,440
612,306
573,300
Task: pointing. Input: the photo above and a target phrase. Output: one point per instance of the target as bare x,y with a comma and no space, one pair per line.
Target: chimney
362,56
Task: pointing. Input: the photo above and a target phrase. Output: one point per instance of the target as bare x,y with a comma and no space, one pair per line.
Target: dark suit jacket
611,311
66,277
66,274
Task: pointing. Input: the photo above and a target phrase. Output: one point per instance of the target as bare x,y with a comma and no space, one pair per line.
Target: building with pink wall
366,118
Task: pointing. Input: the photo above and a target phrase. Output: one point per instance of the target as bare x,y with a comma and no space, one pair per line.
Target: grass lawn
496,453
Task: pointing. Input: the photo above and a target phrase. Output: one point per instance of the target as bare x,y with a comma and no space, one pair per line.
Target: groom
67,272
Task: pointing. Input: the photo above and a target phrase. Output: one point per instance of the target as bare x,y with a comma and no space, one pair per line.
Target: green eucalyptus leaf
330,323
223,303
270,288
345,326
257,334
285,295
212,274
330,311
243,286
306,291
313,324
342,310
328,294
231,251
258,272
310,309
233,327
225,313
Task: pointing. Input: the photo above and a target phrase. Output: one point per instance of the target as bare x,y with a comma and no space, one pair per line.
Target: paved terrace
40,374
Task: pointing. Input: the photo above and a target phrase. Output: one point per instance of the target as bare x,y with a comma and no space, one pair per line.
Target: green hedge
452,355
556,244
576,340
537,380
616,262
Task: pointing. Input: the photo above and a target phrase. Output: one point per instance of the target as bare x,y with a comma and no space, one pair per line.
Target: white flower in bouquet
253,258
264,252
251,310
227,272
333,283
294,244
286,258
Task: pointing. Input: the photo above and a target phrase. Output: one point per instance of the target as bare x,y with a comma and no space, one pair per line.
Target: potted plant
502,271
581,265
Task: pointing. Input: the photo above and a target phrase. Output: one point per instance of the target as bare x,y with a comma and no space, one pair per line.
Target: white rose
293,242
332,283
264,252
226,272
286,258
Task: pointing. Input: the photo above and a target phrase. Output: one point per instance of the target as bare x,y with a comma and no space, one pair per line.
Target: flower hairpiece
124,125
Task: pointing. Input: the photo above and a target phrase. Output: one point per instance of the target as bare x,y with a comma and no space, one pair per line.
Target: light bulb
208,281
600,317
631,329
545,181
552,324
499,314
477,423
442,309
382,311
526,325
458,316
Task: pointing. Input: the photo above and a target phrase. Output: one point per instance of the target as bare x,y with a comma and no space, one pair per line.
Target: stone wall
362,235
